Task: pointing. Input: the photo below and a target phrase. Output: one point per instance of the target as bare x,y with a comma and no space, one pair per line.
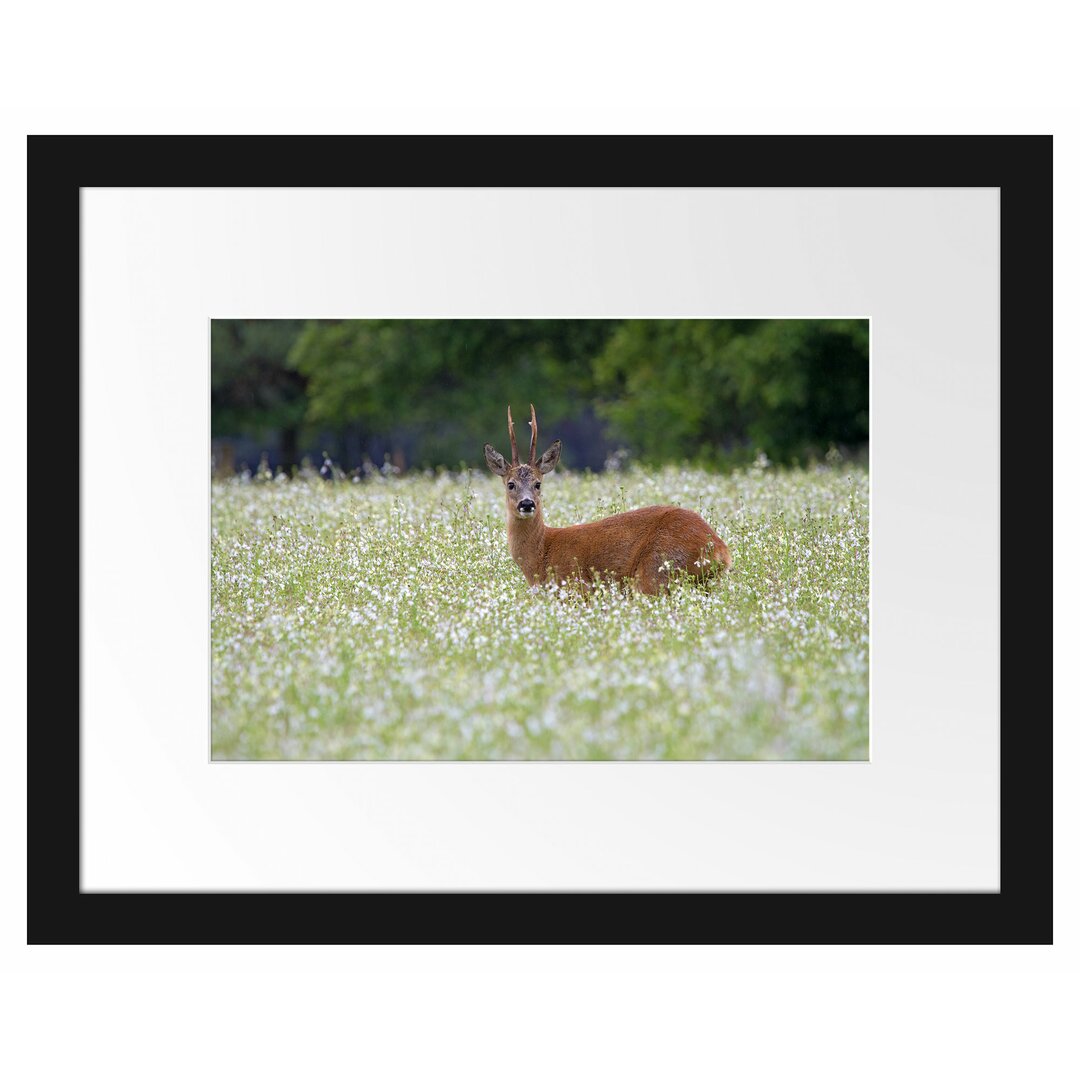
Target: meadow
385,620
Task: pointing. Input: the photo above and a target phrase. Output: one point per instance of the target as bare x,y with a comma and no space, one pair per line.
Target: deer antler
532,448
513,442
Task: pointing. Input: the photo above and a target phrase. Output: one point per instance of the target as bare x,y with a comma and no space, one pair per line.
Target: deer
644,548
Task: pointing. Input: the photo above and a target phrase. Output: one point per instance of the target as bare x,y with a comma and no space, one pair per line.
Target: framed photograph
513,521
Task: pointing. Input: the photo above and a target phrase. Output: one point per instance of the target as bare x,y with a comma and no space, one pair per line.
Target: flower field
385,620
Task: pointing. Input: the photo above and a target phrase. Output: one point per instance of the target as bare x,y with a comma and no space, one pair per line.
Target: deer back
646,545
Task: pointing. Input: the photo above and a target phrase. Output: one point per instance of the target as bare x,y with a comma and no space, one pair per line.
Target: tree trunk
289,446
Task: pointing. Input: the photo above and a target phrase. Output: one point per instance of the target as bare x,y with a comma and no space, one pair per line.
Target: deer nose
526,506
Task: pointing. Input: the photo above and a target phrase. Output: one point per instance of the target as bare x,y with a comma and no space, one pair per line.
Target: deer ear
551,457
495,461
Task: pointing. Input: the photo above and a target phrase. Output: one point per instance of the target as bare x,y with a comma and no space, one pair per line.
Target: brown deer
645,547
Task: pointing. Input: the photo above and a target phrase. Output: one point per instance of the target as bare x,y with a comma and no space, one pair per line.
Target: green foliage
434,390
441,386
708,389
252,388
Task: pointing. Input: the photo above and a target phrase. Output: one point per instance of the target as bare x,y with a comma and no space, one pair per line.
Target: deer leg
713,559
647,581
651,576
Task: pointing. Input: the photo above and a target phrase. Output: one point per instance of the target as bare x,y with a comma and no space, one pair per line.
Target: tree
717,389
436,389
253,391
432,391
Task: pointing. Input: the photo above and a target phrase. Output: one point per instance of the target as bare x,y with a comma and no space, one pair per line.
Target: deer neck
527,544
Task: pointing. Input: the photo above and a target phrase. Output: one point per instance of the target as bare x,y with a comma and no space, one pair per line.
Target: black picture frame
1020,166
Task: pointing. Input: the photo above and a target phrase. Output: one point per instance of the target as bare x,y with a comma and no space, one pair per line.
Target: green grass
386,620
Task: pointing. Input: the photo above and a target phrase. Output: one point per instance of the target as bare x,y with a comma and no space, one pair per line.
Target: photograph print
540,539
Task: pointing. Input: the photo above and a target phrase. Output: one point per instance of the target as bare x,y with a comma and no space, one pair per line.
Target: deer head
521,480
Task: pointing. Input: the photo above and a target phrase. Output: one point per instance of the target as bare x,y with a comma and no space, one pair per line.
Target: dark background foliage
430,392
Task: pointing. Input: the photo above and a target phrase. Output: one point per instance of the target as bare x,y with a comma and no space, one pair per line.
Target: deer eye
510,486
537,485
